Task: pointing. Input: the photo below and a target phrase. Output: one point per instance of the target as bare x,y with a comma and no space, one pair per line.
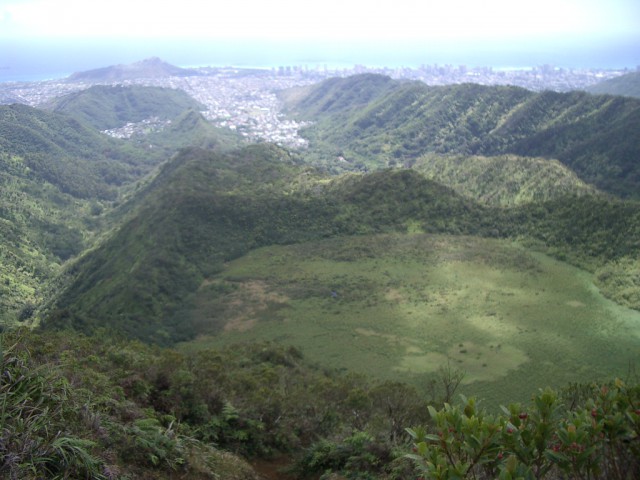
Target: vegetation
71,156
598,438
399,306
61,179
592,135
102,408
53,187
620,281
449,271
505,180
205,209
77,407
105,107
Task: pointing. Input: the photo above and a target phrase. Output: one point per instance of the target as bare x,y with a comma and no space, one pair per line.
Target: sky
201,31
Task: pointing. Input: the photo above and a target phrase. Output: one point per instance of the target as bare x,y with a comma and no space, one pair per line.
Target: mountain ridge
592,135
505,180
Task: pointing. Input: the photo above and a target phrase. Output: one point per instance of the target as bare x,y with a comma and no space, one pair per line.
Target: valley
223,269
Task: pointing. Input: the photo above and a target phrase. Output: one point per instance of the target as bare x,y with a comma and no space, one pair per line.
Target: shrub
599,440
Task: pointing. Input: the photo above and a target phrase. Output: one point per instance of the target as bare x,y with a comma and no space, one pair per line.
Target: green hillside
627,85
188,129
40,227
105,107
59,178
100,408
56,177
592,135
505,180
205,209
69,154
338,95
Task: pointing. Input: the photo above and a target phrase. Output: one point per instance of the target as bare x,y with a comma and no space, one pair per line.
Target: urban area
245,100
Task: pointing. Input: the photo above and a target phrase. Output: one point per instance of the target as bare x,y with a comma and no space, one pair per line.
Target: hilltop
504,180
164,118
148,68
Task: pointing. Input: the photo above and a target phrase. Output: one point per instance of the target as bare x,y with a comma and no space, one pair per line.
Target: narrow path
272,469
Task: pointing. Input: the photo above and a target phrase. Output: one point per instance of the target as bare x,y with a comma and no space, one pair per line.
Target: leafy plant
543,441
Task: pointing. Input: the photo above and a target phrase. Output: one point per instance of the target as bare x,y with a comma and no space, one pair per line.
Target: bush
599,440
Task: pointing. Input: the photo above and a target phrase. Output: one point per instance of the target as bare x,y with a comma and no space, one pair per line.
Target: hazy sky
461,24
298,19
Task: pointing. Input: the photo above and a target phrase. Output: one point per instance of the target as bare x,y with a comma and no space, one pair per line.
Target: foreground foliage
599,438
79,407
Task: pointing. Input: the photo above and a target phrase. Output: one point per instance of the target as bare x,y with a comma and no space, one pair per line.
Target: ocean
34,61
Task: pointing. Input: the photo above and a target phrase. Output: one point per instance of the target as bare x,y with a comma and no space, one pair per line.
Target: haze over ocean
30,60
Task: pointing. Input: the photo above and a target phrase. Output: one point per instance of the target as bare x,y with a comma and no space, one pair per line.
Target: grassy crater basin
398,307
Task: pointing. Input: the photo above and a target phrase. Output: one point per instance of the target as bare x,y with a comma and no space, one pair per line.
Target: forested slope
66,153
59,177
206,208
56,177
592,135
504,180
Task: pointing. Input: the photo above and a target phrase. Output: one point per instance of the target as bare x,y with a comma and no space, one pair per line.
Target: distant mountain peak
152,67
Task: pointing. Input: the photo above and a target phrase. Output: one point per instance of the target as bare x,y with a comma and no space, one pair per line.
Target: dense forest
164,297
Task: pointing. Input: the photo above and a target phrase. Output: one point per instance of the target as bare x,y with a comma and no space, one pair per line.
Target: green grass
400,306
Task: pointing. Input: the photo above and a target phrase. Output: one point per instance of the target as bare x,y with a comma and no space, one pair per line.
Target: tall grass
34,442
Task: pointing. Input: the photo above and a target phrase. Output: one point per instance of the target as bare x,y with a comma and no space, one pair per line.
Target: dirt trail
272,469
